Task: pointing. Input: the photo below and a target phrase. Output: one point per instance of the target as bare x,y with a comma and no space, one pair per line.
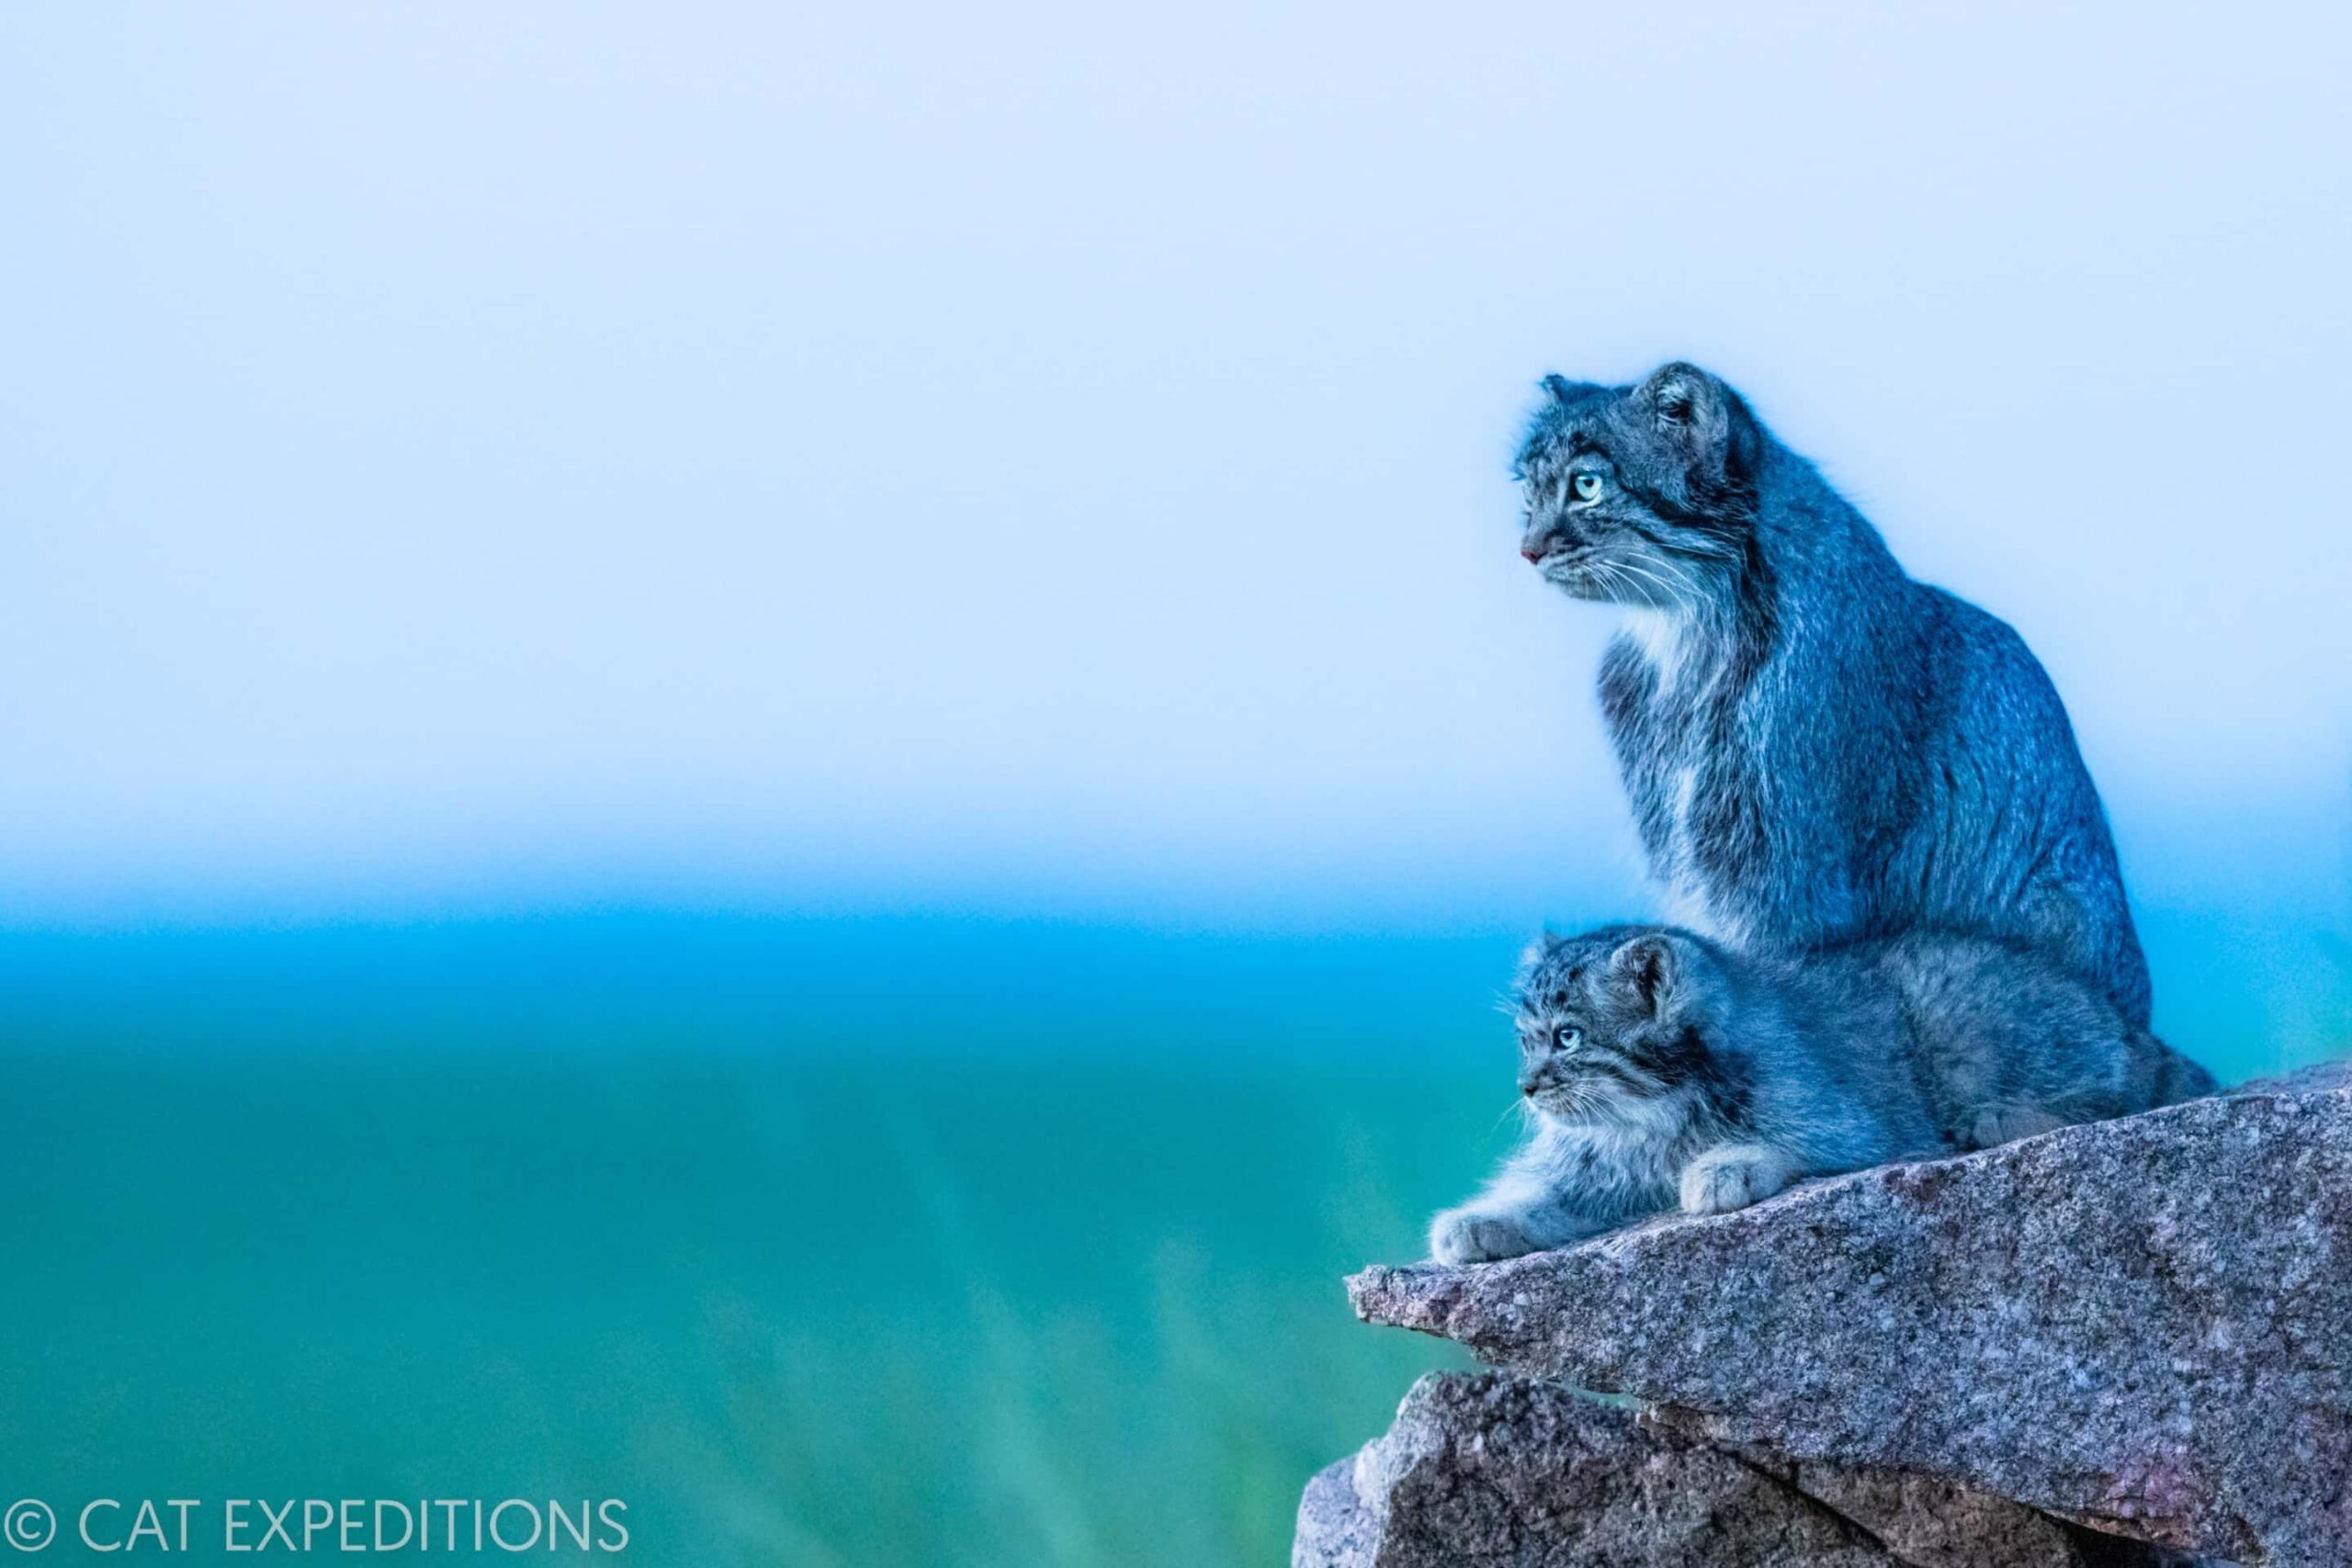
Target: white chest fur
1661,638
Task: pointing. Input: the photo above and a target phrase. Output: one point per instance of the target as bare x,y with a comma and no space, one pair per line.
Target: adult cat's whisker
1677,589
1614,578
1673,591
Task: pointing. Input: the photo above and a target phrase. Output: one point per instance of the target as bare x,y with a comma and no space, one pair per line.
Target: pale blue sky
1054,458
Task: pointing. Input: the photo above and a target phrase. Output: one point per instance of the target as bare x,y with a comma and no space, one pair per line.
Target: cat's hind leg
1999,1122
2006,1122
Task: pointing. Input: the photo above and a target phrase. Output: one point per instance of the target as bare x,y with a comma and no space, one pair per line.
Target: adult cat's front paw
1465,1236
1723,1179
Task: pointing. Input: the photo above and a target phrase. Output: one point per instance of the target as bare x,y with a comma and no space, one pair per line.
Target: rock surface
1930,1523
2143,1324
1498,1469
1505,1471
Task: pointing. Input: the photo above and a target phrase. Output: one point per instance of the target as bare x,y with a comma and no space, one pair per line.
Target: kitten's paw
1998,1124
1465,1236
1723,1179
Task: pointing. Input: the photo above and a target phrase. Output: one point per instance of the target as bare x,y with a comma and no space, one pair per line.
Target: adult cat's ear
1647,964
1699,416
1685,402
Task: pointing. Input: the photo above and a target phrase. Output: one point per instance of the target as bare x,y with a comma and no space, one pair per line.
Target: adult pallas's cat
1818,750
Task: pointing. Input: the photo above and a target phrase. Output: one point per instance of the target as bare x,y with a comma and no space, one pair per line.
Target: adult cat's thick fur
1818,750
1666,1070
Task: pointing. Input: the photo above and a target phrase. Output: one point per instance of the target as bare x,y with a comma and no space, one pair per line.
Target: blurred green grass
794,1311
933,1295
817,1246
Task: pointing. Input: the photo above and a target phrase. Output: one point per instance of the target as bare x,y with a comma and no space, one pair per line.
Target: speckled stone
2143,1324
1498,1470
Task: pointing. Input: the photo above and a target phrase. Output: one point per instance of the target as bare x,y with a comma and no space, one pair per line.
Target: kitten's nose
1527,1087
1531,551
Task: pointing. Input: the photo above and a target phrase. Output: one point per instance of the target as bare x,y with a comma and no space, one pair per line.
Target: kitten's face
1600,1034
1636,495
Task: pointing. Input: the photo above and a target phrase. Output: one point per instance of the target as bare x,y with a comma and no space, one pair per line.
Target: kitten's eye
1567,1037
1586,485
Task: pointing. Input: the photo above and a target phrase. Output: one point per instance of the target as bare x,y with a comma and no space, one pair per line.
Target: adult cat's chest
1673,711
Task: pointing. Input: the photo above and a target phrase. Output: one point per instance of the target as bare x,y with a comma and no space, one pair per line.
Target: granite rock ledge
2137,1329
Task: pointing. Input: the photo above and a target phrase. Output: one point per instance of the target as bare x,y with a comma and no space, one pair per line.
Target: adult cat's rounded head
1640,495
1616,1019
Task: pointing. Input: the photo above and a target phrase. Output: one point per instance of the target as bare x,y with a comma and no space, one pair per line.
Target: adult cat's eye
1586,485
1567,1037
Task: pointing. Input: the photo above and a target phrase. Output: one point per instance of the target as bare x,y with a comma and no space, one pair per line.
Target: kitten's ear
1532,956
1648,963
1699,415
1566,393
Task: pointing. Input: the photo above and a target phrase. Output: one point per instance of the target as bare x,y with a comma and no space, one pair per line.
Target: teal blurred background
884,1240
779,760
897,1241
